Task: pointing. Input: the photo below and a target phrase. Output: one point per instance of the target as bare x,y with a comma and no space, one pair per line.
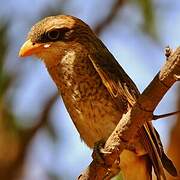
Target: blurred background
38,140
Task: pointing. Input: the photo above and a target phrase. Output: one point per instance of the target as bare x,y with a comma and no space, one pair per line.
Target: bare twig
112,14
44,114
156,117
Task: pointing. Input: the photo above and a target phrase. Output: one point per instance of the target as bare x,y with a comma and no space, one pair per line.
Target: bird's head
53,36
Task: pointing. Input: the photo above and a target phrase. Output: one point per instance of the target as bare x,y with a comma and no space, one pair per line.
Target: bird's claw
99,151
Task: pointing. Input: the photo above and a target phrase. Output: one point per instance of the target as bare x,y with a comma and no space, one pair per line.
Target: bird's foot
98,152
98,157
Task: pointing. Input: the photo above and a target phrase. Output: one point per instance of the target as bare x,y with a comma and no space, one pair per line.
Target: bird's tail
153,146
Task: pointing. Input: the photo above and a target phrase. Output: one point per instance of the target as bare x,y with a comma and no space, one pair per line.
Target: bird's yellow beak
29,48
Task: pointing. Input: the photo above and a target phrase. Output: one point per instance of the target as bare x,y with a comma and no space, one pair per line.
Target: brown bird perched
95,89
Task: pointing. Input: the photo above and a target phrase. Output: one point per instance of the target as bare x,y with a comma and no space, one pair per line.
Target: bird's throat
68,68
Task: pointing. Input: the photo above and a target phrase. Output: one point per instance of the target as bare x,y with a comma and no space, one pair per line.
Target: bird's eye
53,34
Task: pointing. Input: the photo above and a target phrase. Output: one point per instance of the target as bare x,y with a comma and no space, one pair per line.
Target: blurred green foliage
148,13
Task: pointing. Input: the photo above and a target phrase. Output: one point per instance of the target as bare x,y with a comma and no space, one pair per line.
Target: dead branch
43,116
157,117
134,119
110,17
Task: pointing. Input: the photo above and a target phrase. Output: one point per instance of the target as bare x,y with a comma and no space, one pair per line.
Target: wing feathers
121,87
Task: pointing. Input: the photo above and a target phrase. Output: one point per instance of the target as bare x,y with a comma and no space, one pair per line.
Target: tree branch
157,117
43,116
110,17
134,119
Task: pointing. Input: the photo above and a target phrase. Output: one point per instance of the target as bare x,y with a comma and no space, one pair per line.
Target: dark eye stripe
60,34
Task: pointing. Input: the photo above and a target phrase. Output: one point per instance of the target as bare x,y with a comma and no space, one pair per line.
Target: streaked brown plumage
95,89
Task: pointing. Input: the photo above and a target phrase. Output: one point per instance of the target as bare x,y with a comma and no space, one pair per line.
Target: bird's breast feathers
86,98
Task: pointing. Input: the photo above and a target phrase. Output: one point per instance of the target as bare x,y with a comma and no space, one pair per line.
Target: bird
96,91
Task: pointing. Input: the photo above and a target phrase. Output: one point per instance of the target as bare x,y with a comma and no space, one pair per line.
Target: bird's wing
121,87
